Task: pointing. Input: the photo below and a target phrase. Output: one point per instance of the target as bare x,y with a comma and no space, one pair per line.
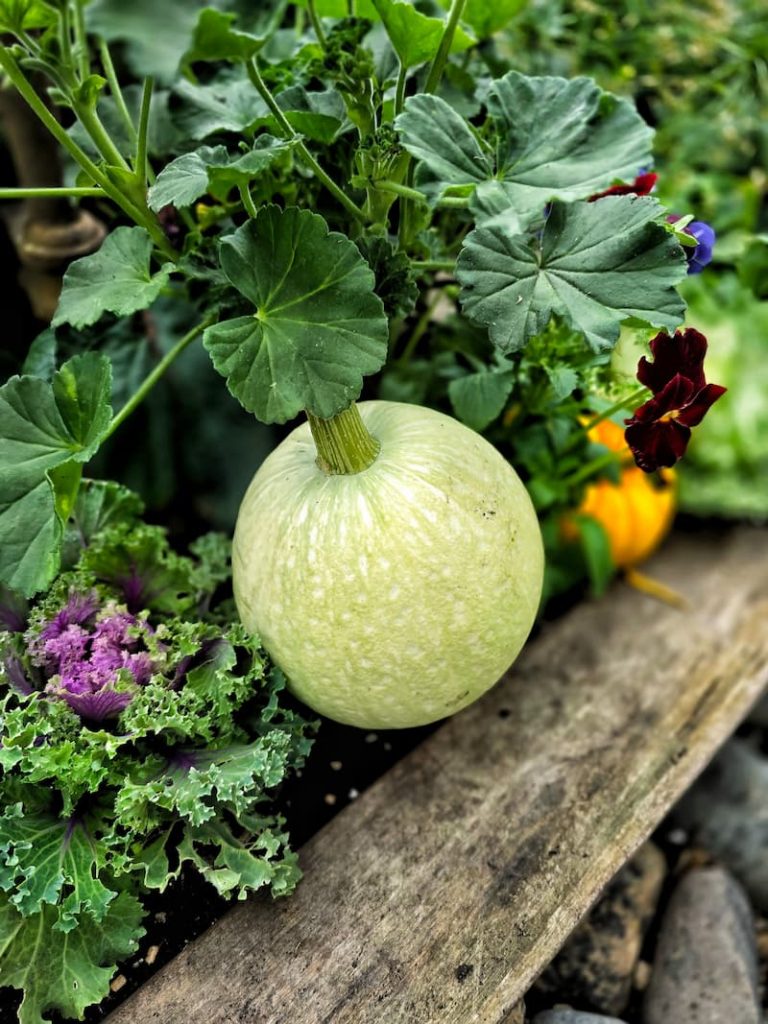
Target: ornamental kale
140,738
94,657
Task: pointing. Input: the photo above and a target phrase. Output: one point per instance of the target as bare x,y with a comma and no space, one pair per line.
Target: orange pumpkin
636,512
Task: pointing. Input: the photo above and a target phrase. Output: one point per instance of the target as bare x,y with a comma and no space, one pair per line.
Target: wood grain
439,895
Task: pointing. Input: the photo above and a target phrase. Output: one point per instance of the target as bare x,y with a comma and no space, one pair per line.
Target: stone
726,813
596,967
705,967
565,1015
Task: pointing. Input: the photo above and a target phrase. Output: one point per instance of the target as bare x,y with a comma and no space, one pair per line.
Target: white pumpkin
397,595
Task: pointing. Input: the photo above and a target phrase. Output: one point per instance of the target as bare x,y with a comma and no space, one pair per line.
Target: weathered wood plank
442,892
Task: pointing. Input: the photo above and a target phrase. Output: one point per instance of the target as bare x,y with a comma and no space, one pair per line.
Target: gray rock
596,966
726,812
705,968
564,1015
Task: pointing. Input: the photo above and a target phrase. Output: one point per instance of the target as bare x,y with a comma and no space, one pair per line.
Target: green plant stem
593,467
92,123
437,66
287,129
65,36
247,198
81,38
344,445
116,92
143,133
51,193
453,202
318,28
629,402
418,331
141,217
384,185
434,75
400,89
152,378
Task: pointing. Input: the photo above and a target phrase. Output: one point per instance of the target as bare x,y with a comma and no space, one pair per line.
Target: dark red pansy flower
659,431
682,353
641,186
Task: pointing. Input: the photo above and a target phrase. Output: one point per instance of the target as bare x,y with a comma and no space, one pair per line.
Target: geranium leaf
190,176
557,139
445,143
46,429
66,971
317,114
41,357
488,18
22,15
317,328
395,282
116,279
415,37
214,39
478,398
340,8
243,168
229,104
184,179
563,139
595,264
155,37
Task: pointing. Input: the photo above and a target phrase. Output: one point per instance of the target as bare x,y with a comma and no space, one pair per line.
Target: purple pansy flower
699,256
95,658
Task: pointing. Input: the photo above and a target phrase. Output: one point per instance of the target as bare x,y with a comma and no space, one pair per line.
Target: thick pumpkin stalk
344,445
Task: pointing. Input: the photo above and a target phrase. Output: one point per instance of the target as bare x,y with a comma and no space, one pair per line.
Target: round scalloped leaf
318,326
564,139
595,264
452,157
47,430
557,139
117,279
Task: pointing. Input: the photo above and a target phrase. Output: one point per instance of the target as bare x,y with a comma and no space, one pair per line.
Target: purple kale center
95,658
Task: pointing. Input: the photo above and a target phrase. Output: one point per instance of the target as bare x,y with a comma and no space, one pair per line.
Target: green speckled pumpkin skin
396,596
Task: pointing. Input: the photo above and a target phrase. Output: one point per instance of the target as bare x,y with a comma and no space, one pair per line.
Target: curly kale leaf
65,970
50,860
94,813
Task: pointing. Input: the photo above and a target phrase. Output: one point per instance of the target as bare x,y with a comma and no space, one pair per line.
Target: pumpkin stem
344,445
653,588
